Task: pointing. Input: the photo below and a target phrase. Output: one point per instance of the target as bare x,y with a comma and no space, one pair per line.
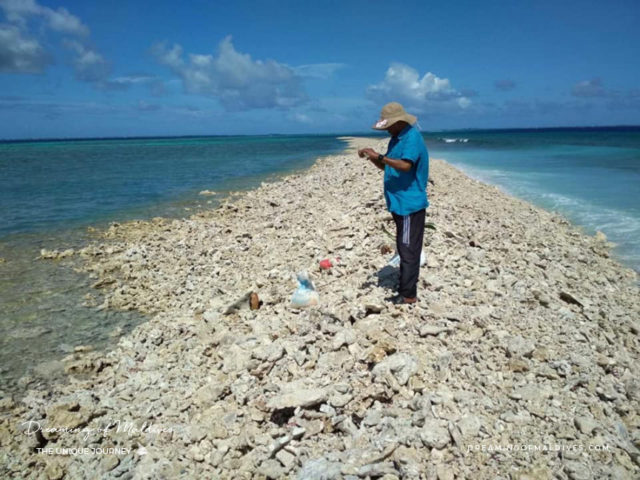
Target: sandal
400,300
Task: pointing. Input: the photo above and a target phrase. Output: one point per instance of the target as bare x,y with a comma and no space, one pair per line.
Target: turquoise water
591,176
50,185
51,191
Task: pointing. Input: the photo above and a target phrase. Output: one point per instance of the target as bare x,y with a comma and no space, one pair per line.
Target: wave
595,216
621,226
453,140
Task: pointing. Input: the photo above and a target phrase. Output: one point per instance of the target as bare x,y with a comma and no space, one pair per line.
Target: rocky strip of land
521,359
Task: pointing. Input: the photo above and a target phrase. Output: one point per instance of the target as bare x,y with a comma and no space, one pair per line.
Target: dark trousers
409,235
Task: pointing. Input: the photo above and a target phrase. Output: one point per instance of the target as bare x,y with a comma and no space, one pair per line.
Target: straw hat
391,113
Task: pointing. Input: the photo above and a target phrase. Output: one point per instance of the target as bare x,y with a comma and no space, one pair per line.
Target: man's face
396,128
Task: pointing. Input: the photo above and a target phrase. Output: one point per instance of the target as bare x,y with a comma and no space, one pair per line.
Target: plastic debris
305,295
395,260
327,263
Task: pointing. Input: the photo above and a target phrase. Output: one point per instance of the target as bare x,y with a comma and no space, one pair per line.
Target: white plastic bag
395,260
305,295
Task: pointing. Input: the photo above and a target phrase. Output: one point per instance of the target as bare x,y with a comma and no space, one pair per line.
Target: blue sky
127,68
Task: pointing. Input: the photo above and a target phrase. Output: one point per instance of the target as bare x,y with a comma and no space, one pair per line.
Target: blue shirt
406,192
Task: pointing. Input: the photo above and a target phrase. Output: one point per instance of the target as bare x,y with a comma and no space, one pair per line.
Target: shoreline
354,386
19,252
617,251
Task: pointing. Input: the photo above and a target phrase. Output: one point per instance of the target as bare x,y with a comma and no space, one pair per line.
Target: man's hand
370,153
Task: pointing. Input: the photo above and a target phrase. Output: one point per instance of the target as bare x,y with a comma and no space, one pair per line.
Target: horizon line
325,134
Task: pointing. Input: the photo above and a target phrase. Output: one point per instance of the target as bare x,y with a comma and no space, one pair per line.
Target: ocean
589,175
52,191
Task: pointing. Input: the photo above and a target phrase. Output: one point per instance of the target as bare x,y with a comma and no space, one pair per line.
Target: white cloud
238,81
589,88
17,10
155,85
301,118
595,92
133,80
318,70
403,84
171,58
89,65
464,102
19,54
60,20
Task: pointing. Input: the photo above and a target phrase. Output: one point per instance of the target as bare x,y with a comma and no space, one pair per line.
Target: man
406,171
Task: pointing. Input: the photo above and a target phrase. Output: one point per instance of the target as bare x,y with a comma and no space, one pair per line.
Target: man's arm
376,162
402,165
380,160
366,152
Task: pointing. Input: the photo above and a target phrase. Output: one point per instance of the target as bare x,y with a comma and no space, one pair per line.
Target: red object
325,264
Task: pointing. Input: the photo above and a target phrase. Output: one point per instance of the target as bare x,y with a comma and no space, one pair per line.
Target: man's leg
409,237
399,220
